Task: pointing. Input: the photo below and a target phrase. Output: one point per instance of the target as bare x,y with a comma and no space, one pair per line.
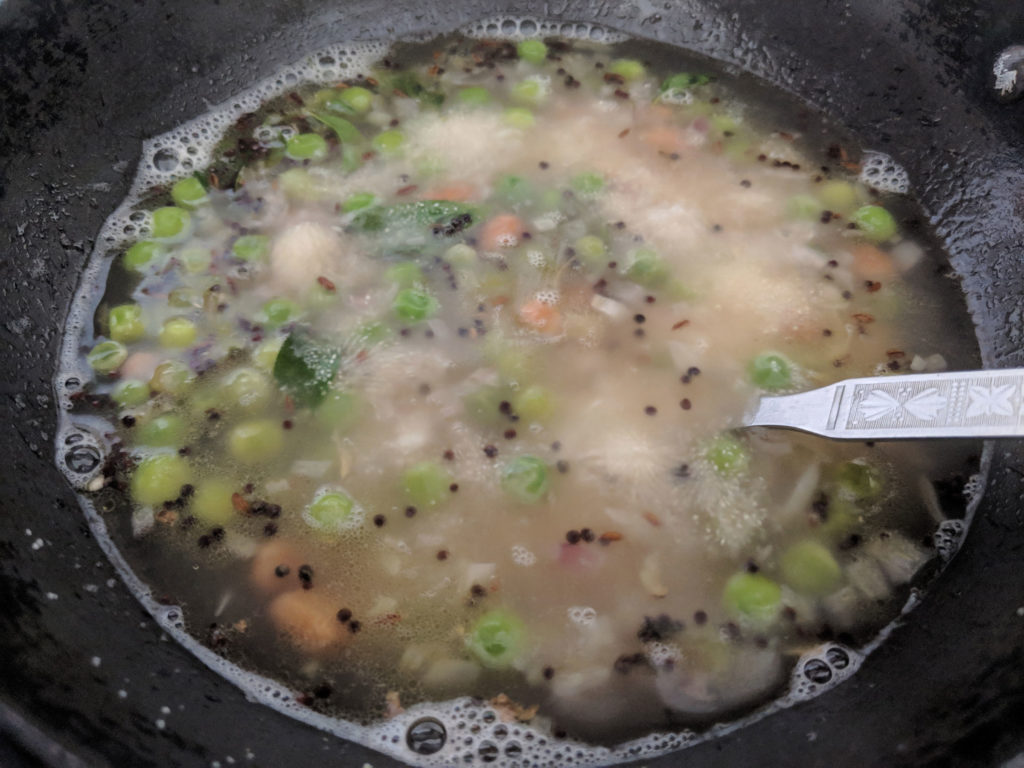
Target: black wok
86,676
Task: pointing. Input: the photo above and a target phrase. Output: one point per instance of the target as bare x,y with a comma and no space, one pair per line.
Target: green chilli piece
358,201
189,193
770,372
306,146
342,128
859,480
159,478
496,639
525,478
389,142
143,253
130,393
413,305
256,441
627,69
727,455
305,367
107,356
810,569
874,223
683,81
518,117
125,321
164,431
250,247
533,51
647,268
753,597
369,334
426,484
212,503
170,223
474,96
178,332
332,511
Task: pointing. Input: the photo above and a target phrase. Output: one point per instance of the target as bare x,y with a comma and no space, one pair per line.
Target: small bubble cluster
522,27
821,669
881,172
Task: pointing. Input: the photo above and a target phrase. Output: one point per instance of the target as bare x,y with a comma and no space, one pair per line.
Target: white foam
523,27
881,172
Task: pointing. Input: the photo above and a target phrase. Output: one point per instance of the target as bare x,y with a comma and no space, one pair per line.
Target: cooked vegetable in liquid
428,387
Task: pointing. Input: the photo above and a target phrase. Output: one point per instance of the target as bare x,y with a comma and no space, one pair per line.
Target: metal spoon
926,405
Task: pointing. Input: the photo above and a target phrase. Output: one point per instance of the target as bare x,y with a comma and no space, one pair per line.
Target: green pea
250,247
530,92
130,393
196,260
159,478
496,639
297,184
838,196
339,410
752,596
172,377
189,193
306,146
248,389
474,96
518,117
170,223
533,404
592,250
514,189
257,441
107,356
460,255
370,334
842,518
405,274
810,569
770,372
178,332
358,201
525,478
265,355
211,503
483,404
166,430
627,69
533,51
279,311
388,142
426,484
859,480
332,512
355,100
588,184
143,253
804,207
126,324
874,223
727,455
647,268
413,305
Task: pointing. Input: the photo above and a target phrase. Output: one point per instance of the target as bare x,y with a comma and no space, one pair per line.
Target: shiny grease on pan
428,730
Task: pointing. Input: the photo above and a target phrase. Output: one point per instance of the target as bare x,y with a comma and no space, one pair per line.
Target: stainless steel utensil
926,405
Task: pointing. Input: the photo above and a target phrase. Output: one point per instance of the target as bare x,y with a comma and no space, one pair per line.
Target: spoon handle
926,405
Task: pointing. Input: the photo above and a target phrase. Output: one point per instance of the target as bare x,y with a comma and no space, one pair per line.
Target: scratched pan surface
85,676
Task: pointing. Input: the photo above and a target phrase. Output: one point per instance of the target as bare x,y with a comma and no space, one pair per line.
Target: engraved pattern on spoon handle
928,405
